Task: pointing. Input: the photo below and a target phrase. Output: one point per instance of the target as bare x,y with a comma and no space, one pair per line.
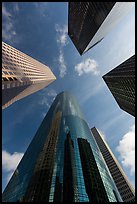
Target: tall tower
63,162
21,75
123,185
121,83
90,22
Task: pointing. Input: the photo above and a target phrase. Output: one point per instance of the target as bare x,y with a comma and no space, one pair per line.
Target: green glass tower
63,161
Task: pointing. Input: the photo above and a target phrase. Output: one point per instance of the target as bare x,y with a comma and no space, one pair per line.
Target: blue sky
40,31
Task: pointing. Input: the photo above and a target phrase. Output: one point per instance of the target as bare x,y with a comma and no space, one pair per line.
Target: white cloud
10,161
44,101
62,34
16,6
87,66
52,93
62,65
126,148
47,91
46,98
8,28
61,41
41,8
5,13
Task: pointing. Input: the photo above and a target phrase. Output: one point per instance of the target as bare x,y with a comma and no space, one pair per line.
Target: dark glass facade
56,167
121,83
92,178
84,19
123,185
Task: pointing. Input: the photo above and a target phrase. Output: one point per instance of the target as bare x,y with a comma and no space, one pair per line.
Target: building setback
123,185
21,75
90,22
121,83
63,162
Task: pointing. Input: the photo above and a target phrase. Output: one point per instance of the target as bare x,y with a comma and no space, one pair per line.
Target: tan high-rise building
21,75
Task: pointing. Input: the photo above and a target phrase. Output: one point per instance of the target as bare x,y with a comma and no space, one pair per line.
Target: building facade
21,75
121,83
124,187
63,162
90,22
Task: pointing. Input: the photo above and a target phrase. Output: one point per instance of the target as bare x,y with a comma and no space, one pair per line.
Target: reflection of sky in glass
68,105
119,10
73,121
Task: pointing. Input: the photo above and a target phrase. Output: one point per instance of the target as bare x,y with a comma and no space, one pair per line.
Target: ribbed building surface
124,187
90,22
63,162
121,83
21,75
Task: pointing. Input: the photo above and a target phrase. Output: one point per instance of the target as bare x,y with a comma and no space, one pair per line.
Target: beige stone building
21,75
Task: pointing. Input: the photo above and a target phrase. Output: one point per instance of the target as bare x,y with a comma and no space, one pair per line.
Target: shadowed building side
123,185
90,22
121,83
93,182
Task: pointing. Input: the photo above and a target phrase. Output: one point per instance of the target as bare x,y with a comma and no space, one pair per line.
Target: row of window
27,67
9,79
10,51
26,60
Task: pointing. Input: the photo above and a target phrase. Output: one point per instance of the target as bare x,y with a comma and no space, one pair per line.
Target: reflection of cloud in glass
72,108
66,129
64,122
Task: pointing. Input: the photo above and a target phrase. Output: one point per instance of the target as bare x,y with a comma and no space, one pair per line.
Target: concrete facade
21,75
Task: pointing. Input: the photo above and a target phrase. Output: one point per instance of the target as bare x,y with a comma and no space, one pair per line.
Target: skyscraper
121,83
123,185
90,22
63,162
21,75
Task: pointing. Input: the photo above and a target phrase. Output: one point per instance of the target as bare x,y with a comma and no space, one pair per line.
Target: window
5,79
13,85
4,72
8,86
10,79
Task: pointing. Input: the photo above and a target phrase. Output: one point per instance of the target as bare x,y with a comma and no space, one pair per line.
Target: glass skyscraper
121,83
63,161
90,22
124,187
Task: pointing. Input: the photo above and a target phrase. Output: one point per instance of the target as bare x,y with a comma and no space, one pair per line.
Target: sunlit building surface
90,22
124,187
21,75
121,83
63,162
